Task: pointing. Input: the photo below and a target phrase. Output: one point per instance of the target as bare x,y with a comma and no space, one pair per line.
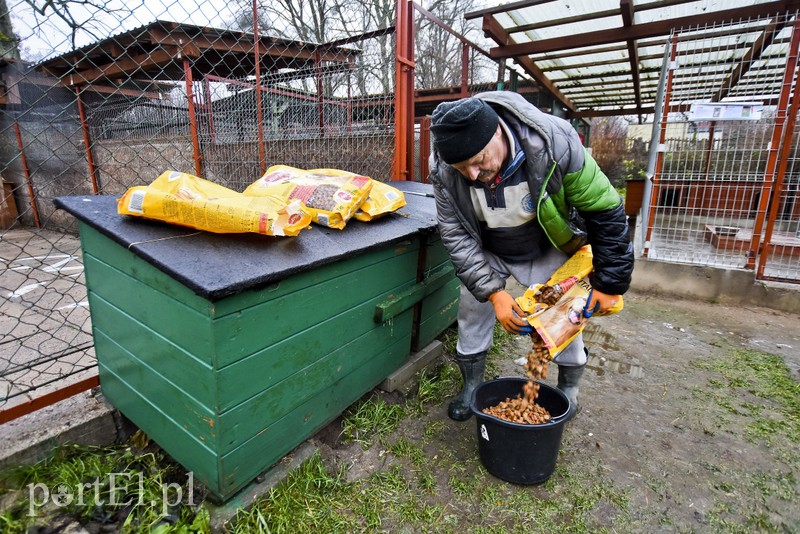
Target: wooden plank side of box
317,276
175,364
435,252
181,325
330,365
439,310
239,466
162,428
316,298
278,361
184,410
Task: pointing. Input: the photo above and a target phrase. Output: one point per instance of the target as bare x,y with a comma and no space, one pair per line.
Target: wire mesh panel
335,113
97,98
780,259
714,186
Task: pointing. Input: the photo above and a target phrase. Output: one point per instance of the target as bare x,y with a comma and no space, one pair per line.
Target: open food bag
382,199
331,196
186,200
556,308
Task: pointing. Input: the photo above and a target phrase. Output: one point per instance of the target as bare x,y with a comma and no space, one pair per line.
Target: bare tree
438,52
243,20
611,151
8,40
87,22
377,58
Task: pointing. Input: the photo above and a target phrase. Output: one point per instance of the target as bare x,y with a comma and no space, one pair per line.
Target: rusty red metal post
464,70
320,95
262,151
774,147
27,173
660,153
209,109
424,147
198,163
87,142
404,93
783,161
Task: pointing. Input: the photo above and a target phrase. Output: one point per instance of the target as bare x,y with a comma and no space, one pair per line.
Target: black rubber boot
569,378
472,369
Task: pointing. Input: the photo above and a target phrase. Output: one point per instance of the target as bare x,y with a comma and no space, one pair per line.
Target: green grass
369,419
753,394
315,497
103,484
430,482
758,386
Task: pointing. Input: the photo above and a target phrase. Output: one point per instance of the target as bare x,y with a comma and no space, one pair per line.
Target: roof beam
593,16
626,10
683,108
505,8
752,54
654,42
560,22
121,67
493,30
638,31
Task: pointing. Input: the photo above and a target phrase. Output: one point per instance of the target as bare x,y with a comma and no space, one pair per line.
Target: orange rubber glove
508,312
599,303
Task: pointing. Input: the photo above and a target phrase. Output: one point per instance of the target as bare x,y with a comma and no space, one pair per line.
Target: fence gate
724,189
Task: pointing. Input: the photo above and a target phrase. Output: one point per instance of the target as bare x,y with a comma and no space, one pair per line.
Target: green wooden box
231,375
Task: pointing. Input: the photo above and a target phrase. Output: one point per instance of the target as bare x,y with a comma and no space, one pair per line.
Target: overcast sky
47,36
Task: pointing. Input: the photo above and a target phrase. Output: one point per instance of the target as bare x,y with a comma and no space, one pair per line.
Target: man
516,195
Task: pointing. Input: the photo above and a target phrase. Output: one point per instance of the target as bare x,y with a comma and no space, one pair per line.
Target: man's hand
508,312
599,303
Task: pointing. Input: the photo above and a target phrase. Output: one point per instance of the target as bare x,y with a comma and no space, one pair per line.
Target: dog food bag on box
331,196
186,200
382,199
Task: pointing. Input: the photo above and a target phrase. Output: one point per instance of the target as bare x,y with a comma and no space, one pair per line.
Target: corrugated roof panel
591,75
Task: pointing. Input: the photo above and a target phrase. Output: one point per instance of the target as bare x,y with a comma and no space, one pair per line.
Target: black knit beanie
462,128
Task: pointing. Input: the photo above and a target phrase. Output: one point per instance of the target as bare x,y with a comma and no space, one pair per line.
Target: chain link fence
100,99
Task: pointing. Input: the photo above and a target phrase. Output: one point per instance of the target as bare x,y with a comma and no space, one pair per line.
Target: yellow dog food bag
186,200
382,199
560,323
331,196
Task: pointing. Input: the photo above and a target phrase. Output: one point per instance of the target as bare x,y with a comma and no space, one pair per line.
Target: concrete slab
83,419
415,363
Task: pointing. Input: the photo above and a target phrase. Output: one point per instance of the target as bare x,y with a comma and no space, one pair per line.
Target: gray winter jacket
576,202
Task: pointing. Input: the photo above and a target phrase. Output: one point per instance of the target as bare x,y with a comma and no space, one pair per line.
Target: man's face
485,165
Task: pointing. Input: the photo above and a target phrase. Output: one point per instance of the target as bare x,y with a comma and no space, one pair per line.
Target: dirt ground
675,432
689,422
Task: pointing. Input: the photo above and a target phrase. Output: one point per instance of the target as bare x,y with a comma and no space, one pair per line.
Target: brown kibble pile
523,408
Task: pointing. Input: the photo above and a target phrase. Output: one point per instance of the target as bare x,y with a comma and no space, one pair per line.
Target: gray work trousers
476,319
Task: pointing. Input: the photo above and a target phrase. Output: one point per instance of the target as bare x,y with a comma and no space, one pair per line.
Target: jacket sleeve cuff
482,293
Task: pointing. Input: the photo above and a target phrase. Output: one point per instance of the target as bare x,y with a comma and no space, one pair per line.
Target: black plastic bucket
516,453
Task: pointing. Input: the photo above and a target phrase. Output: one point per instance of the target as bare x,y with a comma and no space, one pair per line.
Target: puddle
598,338
602,365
